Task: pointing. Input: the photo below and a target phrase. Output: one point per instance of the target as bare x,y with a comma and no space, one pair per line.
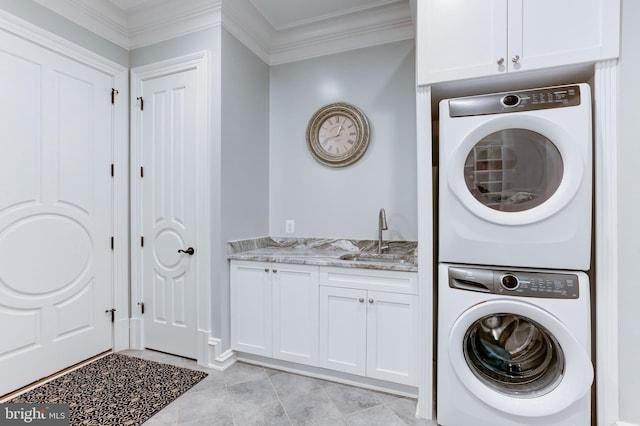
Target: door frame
198,61
119,157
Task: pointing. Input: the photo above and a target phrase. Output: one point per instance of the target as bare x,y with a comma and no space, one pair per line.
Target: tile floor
245,395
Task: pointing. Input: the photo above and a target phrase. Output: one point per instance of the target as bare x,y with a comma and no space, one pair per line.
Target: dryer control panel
515,283
524,100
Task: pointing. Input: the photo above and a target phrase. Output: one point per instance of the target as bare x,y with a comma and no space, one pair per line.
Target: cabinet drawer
370,279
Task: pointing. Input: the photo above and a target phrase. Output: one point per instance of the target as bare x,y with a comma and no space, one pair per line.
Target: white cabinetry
459,39
274,310
369,323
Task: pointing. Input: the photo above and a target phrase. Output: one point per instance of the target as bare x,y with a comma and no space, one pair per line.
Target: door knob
189,251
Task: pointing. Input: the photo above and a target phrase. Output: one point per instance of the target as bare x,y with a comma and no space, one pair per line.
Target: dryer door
513,170
516,169
518,358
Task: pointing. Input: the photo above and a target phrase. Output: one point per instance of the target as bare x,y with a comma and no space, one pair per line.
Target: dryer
515,179
513,347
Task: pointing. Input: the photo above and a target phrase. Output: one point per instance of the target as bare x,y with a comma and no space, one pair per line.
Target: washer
515,178
513,347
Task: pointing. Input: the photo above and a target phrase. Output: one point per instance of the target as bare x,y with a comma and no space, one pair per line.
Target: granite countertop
399,256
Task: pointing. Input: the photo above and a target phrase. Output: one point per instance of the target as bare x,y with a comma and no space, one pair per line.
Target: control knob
509,281
511,100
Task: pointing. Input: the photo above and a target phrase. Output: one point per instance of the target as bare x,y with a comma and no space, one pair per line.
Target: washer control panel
523,100
521,283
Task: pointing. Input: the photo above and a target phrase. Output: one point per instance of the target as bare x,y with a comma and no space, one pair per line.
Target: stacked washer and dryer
515,209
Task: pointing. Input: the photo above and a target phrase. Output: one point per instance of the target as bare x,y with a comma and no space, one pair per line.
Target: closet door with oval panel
169,127
55,212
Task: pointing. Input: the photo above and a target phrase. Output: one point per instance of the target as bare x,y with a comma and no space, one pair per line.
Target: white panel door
168,118
392,337
55,212
343,329
295,313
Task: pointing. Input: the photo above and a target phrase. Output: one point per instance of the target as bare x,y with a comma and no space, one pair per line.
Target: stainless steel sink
379,258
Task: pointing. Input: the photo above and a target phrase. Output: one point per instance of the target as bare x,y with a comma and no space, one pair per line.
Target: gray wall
245,160
344,202
628,208
208,39
41,16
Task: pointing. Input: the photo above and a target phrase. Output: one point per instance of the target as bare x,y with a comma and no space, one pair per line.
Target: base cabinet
343,329
251,308
358,321
274,310
369,332
392,337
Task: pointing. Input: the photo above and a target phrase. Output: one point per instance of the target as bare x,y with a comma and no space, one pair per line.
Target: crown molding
386,23
249,26
149,26
151,22
140,25
101,18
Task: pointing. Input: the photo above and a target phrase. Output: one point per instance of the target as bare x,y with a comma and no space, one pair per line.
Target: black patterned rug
115,390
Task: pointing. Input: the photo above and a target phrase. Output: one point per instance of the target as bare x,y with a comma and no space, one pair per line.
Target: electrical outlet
289,226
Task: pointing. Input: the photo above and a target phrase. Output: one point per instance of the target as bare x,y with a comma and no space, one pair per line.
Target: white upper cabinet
460,39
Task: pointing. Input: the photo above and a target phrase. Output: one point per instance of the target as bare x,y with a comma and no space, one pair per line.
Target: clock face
338,134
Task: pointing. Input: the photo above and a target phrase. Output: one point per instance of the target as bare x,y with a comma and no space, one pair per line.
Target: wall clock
338,134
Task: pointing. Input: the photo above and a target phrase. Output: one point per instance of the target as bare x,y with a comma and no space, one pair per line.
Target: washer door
518,358
514,170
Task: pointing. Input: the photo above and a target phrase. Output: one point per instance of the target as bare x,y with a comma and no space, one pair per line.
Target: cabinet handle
515,59
274,271
370,300
266,269
361,300
500,61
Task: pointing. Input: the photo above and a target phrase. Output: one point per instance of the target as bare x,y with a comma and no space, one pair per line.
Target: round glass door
514,355
513,170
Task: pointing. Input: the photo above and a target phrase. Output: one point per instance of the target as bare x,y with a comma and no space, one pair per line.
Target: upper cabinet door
548,33
458,39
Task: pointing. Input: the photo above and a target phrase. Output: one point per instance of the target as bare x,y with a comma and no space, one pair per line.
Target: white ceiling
276,30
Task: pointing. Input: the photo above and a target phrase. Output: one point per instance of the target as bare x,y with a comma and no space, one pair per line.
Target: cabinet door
251,307
458,39
548,33
295,313
343,329
392,337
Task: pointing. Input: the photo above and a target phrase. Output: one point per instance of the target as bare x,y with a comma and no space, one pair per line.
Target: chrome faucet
382,226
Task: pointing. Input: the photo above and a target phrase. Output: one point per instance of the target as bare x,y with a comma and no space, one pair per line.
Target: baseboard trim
121,334
215,358
619,423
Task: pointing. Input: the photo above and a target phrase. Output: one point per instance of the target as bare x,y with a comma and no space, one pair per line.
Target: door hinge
113,314
112,243
141,103
114,92
141,304
141,171
141,241
113,170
